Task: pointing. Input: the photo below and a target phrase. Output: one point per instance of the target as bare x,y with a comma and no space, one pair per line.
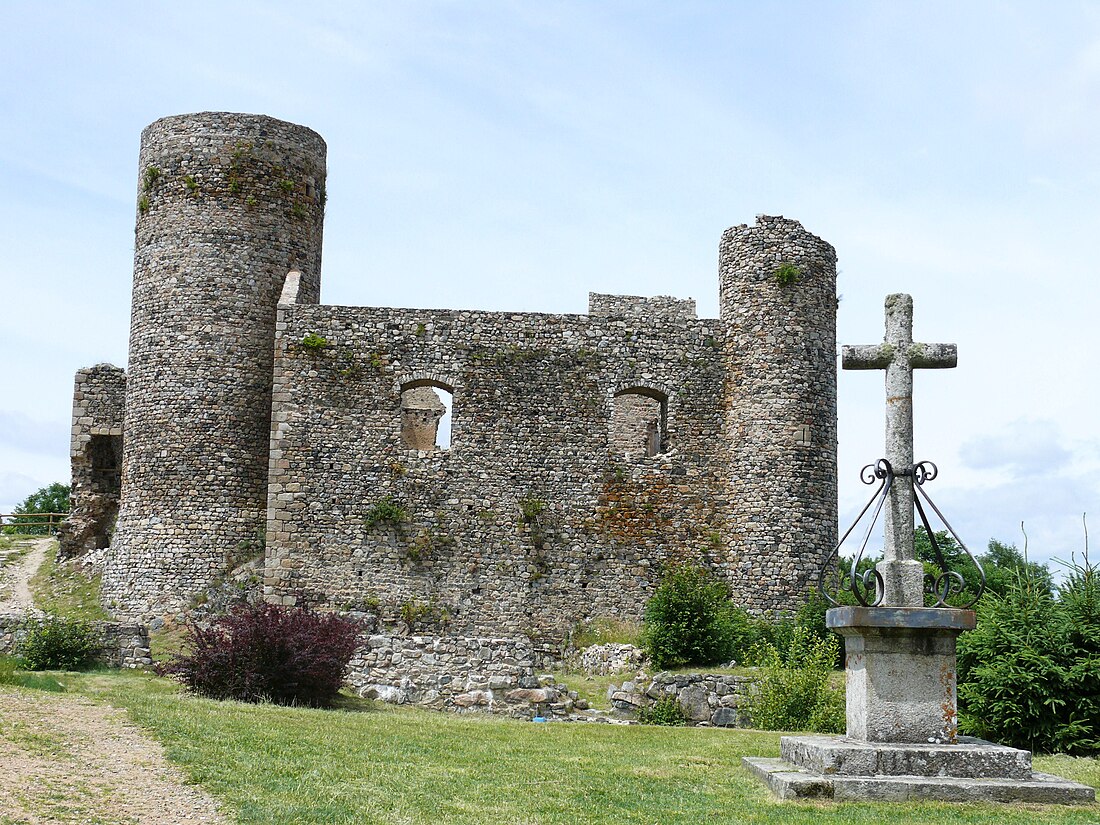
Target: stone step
841,756
788,781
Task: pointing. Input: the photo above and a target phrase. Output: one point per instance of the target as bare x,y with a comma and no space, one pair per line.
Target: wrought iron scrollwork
947,583
867,586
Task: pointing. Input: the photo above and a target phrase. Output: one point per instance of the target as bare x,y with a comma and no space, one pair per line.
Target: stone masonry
587,451
226,205
99,398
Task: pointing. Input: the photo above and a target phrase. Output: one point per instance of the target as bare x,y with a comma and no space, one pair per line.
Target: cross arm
866,356
933,356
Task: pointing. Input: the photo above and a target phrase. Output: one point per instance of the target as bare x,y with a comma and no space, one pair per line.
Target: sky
517,155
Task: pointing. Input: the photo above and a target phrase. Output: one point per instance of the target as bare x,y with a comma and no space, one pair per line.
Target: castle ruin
586,451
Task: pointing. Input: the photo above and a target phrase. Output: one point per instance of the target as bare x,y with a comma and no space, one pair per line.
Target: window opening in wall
639,421
426,416
105,458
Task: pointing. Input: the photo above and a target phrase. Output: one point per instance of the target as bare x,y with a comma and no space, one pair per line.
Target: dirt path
66,759
15,579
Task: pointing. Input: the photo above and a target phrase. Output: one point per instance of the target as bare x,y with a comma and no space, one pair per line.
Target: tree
51,499
1004,563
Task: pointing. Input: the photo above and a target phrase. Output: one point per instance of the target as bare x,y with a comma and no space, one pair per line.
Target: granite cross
902,573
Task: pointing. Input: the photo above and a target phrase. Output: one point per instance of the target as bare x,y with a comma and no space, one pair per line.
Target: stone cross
902,573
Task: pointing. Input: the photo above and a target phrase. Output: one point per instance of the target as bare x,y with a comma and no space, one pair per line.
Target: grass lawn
368,763
63,589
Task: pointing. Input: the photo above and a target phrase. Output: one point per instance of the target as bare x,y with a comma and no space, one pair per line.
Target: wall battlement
586,452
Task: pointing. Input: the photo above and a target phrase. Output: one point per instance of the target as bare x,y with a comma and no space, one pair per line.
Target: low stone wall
124,645
461,674
707,699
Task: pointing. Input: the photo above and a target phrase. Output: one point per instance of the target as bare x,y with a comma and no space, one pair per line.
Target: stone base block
836,767
969,759
788,781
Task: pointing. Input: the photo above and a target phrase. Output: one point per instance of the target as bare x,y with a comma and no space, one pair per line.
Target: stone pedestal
900,664
902,741
836,767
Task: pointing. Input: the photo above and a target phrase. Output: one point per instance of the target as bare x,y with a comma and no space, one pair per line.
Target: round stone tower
777,296
226,205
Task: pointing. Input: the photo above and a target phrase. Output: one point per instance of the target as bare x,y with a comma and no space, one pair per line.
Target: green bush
60,644
689,620
794,693
665,711
1029,674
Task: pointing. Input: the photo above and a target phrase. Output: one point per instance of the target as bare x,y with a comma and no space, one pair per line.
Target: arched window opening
639,422
426,416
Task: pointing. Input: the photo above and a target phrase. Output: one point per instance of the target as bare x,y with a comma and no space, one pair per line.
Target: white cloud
1025,447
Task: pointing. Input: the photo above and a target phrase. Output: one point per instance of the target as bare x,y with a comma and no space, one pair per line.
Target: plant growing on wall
152,175
386,511
787,274
534,523
419,615
314,342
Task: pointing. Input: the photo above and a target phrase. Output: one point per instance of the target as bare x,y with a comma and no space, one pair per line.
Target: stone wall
226,204
706,699
461,674
533,520
586,452
96,454
124,645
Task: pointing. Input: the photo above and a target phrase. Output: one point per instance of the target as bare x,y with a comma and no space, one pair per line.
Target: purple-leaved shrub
268,653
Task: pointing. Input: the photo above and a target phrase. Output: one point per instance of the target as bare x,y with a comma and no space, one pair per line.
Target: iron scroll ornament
867,586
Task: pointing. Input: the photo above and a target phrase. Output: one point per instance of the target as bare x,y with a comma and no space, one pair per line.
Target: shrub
60,644
1029,674
265,652
794,693
690,621
665,711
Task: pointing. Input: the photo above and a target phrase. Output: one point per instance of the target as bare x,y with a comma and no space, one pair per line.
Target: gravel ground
15,577
68,759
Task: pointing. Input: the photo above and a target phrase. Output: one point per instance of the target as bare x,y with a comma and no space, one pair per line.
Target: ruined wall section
95,455
531,521
226,205
778,305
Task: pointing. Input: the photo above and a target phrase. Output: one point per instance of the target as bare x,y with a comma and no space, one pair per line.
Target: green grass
374,764
10,674
18,542
606,630
167,643
61,589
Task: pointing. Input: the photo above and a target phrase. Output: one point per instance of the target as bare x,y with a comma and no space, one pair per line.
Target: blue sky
518,155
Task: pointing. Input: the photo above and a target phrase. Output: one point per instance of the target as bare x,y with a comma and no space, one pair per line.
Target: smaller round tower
226,205
777,294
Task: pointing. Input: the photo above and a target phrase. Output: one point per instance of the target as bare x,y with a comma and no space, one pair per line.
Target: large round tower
777,295
226,205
